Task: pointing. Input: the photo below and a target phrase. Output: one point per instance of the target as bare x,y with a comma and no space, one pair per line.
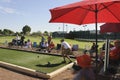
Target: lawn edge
34,72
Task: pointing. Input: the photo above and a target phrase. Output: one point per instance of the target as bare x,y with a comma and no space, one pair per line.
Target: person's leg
63,55
67,55
64,58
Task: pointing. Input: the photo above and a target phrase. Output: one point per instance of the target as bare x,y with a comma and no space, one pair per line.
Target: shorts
66,52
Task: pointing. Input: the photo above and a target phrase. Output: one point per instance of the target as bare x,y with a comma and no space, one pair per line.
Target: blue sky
14,14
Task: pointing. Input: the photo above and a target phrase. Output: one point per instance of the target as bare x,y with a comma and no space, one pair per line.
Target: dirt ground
6,74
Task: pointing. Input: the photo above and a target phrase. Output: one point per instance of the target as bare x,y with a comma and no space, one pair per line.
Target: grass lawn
39,62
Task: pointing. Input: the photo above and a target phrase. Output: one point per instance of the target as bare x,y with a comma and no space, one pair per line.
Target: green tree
17,33
45,33
38,33
26,29
8,32
0,31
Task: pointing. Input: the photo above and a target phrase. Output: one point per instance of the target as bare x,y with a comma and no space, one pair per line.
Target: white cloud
7,10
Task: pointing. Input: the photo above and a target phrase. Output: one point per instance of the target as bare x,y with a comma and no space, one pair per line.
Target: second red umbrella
110,27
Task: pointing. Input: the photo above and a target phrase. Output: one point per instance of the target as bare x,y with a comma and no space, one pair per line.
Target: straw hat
84,61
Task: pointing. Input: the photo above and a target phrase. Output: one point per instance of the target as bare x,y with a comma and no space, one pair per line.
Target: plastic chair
34,44
75,47
58,46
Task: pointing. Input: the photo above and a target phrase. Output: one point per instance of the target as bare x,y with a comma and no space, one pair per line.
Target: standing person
42,39
17,40
86,71
66,49
22,40
17,37
49,39
42,42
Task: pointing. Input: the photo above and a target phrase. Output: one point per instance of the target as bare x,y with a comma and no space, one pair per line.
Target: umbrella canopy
84,12
110,27
88,11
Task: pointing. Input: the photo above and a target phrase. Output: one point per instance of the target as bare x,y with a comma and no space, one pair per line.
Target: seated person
115,52
114,55
102,50
44,45
103,46
114,58
29,43
25,45
51,46
93,49
86,72
14,42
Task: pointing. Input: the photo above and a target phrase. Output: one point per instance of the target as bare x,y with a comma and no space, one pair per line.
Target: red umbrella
88,11
110,27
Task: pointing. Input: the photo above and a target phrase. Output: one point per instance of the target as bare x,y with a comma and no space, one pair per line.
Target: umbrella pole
63,30
96,58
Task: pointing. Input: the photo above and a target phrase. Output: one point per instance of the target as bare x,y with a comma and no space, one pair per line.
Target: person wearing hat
86,72
66,50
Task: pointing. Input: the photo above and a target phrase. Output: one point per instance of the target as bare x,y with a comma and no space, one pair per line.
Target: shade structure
110,27
86,12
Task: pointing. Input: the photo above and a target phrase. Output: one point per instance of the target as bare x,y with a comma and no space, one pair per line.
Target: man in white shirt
66,49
